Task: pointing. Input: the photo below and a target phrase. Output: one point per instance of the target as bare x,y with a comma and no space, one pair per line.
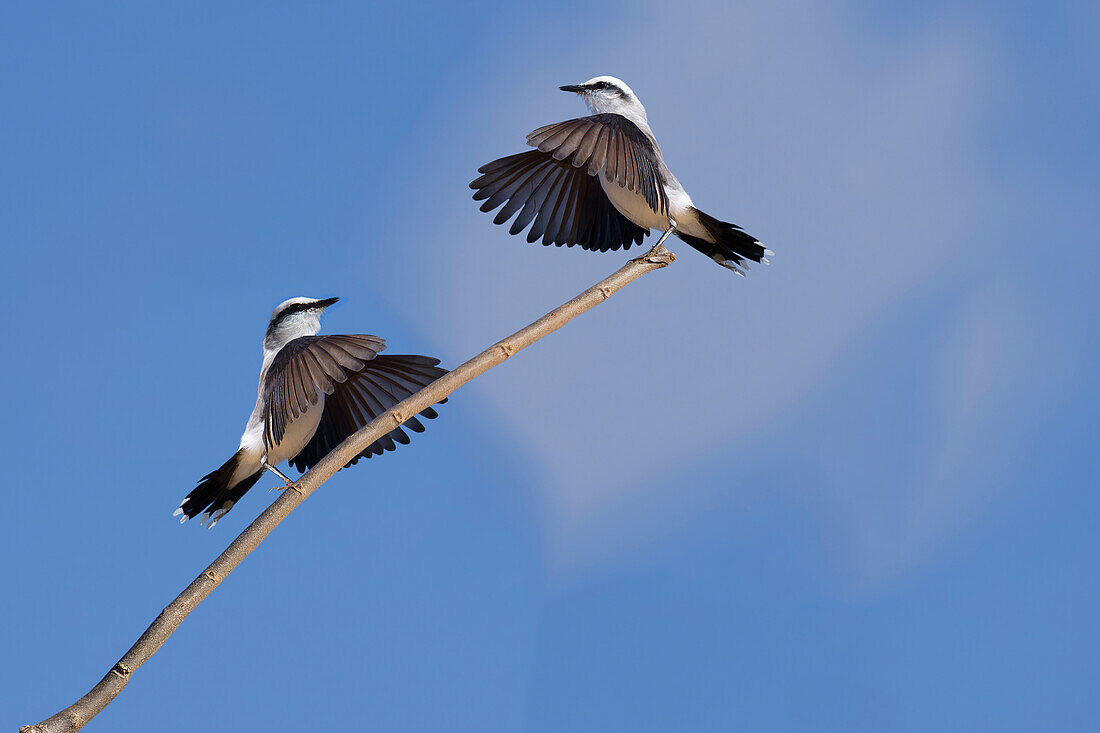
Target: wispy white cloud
991,370
850,157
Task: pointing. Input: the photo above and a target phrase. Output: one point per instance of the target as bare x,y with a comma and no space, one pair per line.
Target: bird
314,392
601,182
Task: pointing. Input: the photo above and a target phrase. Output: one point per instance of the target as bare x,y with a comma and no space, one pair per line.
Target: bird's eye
600,85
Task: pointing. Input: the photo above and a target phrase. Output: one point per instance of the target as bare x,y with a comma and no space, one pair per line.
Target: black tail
214,494
732,245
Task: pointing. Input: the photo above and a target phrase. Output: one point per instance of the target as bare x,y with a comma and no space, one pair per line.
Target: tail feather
214,496
732,245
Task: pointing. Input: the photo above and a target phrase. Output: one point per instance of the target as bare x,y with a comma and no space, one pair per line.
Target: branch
77,715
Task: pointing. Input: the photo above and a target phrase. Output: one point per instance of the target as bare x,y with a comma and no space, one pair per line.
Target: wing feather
364,395
597,159
556,201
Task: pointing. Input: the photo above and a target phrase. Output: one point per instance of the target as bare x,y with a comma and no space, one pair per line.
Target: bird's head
607,94
293,318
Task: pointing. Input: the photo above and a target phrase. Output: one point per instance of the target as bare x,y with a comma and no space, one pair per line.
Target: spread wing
567,205
363,396
306,367
557,186
611,143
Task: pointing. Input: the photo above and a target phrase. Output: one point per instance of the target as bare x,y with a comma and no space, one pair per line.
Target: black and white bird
314,392
601,182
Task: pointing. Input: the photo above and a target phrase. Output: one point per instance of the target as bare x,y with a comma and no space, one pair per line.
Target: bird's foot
658,255
281,475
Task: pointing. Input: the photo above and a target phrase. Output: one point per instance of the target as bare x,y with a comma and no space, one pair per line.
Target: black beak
326,302
575,88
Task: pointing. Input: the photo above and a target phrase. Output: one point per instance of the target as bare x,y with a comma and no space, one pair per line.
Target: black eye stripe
295,308
599,86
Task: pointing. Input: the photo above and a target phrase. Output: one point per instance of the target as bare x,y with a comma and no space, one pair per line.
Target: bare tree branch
77,715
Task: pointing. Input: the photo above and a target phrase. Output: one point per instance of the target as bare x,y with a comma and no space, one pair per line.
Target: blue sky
853,491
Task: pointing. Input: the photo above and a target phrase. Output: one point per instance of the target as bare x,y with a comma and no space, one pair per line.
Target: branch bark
77,715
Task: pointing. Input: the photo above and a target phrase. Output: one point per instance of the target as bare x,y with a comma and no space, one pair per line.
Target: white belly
298,432
632,205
